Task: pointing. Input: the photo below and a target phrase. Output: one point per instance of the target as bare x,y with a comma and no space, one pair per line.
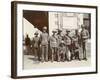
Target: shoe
79,59
85,59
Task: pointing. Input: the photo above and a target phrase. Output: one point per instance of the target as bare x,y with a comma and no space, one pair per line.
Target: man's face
59,32
44,30
76,32
83,28
54,33
36,35
67,33
26,35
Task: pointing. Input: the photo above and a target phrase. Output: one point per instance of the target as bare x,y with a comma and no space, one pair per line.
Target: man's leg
52,52
46,52
35,53
84,51
42,57
58,55
70,53
63,57
38,54
55,52
77,55
66,53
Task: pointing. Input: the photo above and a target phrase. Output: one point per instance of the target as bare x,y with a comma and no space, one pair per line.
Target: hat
62,43
36,33
59,30
83,26
76,30
45,28
67,30
54,31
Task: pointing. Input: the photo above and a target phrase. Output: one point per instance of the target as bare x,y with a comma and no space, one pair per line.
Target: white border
21,7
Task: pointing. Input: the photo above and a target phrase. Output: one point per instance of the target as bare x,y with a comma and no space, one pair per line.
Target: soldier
35,45
76,46
59,39
28,44
68,43
53,45
62,50
84,37
44,38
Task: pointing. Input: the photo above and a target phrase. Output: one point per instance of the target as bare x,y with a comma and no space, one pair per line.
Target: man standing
28,44
59,39
35,45
68,43
84,37
76,46
53,45
44,38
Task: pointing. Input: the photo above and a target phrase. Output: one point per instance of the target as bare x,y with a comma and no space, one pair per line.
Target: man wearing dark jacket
28,44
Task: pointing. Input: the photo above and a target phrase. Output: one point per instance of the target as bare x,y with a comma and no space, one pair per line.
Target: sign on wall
70,22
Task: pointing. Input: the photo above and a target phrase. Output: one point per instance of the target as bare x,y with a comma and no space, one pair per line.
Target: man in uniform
68,43
76,45
62,50
84,37
44,38
35,45
59,39
53,45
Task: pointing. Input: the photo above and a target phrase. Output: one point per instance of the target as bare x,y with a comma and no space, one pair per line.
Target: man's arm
87,34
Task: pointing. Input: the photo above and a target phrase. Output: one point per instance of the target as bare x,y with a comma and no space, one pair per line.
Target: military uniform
53,46
76,46
84,37
35,46
62,50
44,38
68,43
59,39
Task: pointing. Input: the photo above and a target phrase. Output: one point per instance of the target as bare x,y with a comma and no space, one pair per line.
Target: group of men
58,47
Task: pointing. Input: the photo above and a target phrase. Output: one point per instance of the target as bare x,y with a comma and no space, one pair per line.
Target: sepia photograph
53,39
56,39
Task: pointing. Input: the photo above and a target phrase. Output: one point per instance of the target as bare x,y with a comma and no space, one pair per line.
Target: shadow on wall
29,29
37,18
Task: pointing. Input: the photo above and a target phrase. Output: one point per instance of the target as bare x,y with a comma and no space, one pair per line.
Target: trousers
44,49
